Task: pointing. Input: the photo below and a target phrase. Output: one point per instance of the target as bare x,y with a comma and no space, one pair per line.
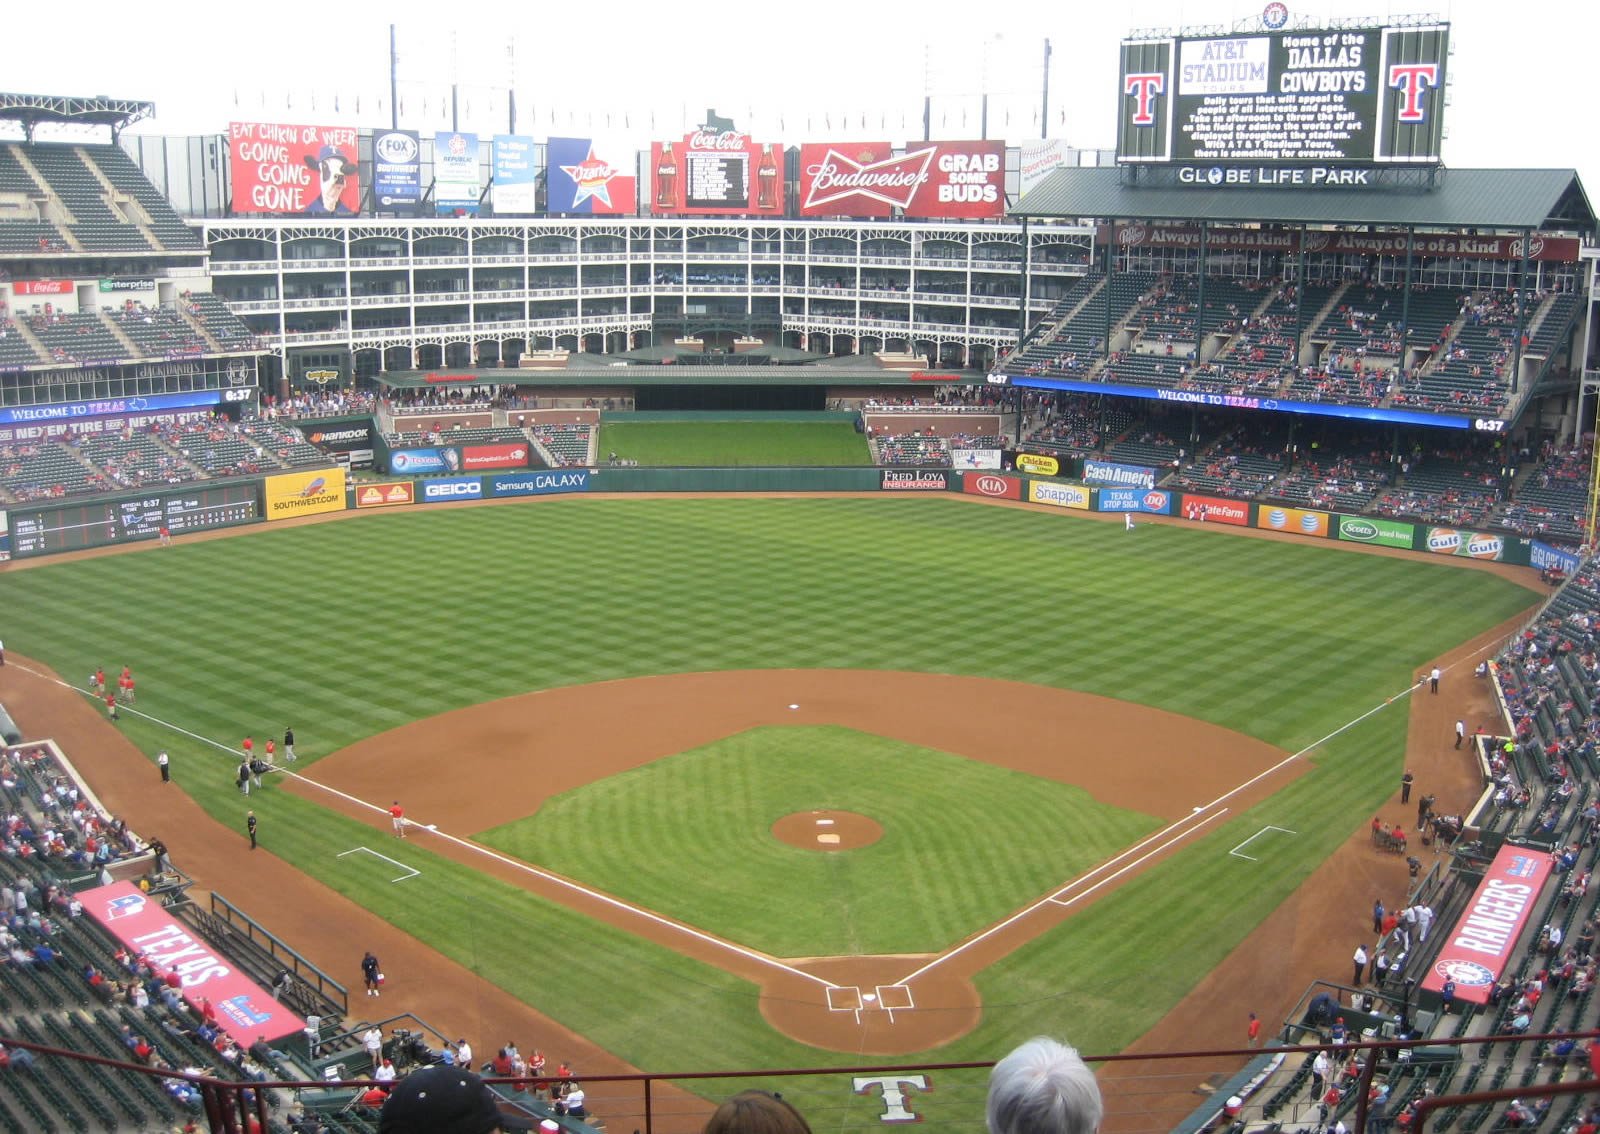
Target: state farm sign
932,179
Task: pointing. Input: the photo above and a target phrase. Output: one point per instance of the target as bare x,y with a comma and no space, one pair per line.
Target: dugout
9,732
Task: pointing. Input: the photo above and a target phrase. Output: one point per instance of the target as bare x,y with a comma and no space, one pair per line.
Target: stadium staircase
53,212
121,336
120,201
21,329
199,328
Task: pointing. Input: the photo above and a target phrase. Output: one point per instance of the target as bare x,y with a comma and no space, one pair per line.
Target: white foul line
357,850
1253,838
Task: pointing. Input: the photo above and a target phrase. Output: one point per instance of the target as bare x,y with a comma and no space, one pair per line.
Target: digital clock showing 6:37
72,527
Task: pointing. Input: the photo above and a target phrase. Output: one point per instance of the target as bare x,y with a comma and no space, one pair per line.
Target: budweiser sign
935,179
836,177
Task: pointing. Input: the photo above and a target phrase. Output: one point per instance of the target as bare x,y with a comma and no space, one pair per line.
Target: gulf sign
1156,501
386,495
304,494
931,179
1216,510
1480,943
244,1010
281,169
1300,521
1058,495
991,484
503,456
1473,545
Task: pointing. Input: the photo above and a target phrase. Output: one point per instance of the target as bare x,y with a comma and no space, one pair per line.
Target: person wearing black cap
447,1100
335,171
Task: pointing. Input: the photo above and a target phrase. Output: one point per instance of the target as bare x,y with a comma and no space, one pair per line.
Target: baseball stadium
756,613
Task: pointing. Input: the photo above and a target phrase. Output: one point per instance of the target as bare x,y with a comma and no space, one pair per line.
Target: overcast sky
786,71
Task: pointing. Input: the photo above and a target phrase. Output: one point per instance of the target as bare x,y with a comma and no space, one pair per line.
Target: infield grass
350,628
742,443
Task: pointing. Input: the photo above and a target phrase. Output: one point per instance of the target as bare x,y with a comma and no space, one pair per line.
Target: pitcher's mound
827,830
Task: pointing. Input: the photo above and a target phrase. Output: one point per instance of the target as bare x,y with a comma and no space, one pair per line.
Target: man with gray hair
1043,1087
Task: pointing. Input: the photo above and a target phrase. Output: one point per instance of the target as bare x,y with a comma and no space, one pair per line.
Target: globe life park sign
1275,177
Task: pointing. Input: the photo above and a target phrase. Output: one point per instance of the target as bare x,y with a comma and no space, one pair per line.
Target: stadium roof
623,375
1535,199
29,111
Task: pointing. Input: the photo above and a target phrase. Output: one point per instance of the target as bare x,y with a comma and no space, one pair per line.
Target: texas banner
931,179
591,177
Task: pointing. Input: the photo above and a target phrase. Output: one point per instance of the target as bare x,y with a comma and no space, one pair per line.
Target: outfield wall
308,492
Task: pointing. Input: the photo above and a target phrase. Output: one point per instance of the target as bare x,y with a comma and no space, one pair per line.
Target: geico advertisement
304,494
453,488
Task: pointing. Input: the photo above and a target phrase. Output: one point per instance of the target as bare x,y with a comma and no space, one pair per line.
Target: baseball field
634,722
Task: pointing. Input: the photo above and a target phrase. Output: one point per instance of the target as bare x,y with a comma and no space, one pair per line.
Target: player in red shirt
111,705
398,815
272,749
249,747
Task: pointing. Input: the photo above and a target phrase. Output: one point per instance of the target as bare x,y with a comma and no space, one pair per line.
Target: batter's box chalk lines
1237,851
845,998
410,872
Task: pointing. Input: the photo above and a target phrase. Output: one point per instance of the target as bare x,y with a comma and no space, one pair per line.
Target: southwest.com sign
539,483
304,494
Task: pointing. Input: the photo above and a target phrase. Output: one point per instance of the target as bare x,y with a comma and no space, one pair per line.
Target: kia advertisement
396,167
716,173
516,176
1300,521
305,170
513,455
1474,545
540,483
591,177
915,480
146,930
455,174
452,488
1157,501
931,179
1216,510
1481,941
991,484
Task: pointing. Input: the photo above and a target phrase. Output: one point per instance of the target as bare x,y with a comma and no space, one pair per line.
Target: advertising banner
279,169
1040,159
1543,557
114,423
716,172
510,455
975,458
591,176
539,483
41,287
1474,545
1481,942
1424,245
1058,495
71,411
931,179
5,538
1216,510
991,484
386,495
1040,464
125,284
915,480
516,174
396,167
453,488
424,461
1379,533
244,1010
339,438
1118,476
455,174
1157,501
304,494
1301,521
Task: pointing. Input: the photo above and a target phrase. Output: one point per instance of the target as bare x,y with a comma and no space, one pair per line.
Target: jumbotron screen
1328,97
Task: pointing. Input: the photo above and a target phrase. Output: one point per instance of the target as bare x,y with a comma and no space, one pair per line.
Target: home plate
868,997
828,840
794,706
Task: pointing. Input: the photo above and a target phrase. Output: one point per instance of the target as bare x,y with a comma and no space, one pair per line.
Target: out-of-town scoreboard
68,527
1306,97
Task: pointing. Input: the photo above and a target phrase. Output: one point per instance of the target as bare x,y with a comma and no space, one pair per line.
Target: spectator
446,1100
1043,1087
757,1112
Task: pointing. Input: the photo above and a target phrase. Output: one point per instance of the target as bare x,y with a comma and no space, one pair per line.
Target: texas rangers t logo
1412,79
1144,88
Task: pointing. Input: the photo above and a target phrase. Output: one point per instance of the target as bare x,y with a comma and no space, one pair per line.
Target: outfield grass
945,838
743,443
350,628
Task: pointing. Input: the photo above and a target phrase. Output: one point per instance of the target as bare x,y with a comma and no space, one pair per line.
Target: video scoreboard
1347,96
70,527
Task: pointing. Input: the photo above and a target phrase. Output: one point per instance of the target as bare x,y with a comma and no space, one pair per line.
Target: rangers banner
515,176
310,170
455,174
717,173
396,167
243,1009
1481,942
932,179
591,176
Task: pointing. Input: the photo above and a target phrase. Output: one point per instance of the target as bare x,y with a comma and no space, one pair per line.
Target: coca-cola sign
716,173
932,179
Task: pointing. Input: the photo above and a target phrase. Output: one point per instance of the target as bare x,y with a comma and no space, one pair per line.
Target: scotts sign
938,179
1558,248
991,484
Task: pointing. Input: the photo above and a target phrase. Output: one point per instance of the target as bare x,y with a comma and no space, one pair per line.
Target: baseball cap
446,1100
